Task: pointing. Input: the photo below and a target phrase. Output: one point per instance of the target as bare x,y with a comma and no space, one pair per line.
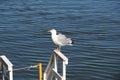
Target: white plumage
60,39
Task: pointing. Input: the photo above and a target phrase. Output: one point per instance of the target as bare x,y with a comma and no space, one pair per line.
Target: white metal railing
6,64
51,71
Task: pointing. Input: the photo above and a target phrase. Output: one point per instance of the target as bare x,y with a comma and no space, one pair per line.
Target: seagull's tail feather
72,42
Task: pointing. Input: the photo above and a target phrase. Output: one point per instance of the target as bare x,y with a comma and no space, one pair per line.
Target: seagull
60,39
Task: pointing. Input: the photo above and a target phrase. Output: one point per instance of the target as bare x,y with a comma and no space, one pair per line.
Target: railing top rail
64,58
6,61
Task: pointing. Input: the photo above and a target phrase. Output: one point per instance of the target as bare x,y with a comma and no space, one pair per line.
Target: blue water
94,25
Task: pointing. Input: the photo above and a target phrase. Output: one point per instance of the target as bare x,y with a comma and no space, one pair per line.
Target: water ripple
93,25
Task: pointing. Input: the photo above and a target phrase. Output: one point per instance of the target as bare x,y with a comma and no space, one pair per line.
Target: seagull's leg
59,48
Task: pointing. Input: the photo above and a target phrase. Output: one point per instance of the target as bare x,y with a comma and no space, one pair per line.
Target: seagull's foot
58,49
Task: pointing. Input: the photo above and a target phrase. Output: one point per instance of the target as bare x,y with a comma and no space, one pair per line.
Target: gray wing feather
64,40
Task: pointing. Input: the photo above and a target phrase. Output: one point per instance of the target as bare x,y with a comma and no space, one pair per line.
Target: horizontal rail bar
56,74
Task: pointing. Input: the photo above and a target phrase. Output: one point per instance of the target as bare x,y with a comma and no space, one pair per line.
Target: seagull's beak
49,30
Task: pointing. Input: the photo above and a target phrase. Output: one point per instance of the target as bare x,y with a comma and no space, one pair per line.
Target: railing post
3,73
40,71
55,63
11,74
64,70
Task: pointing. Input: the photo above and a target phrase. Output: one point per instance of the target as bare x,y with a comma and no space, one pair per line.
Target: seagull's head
53,31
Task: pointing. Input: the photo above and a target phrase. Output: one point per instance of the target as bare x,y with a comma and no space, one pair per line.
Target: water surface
93,25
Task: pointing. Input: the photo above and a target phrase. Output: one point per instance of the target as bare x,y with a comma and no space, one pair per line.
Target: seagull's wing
64,40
